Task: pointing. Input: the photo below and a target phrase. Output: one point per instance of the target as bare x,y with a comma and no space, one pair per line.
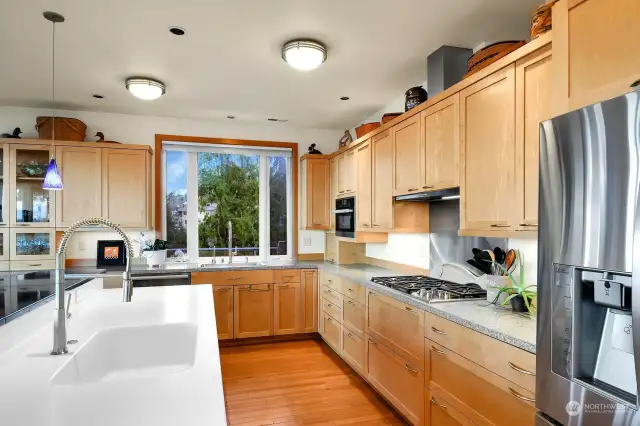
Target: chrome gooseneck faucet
59,321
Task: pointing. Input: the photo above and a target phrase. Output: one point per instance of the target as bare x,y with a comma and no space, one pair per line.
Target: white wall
408,249
136,129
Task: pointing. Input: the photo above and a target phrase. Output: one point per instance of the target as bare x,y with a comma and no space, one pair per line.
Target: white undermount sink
126,353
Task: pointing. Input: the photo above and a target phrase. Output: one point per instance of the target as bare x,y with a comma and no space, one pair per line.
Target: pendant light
53,178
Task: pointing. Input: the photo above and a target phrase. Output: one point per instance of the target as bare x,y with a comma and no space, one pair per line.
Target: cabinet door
353,315
406,149
397,380
487,185
317,196
4,244
309,296
253,310
342,175
335,178
286,308
595,51
441,144
353,350
126,191
363,186
4,184
332,333
439,413
533,105
223,304
32,243
30,205
331,248
81,168
350,172
382,191
397,325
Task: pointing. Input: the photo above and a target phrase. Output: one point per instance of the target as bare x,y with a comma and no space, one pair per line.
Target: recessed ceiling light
145,88
304,55
95,95
344,98
177,31
231,117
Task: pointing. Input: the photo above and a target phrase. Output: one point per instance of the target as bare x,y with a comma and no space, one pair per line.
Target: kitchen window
209,185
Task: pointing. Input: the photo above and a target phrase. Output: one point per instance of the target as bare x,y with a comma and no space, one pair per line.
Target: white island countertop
40,389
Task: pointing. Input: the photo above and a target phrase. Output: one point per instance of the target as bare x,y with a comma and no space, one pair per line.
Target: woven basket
67,129
541,19
366,128
488,55
390,116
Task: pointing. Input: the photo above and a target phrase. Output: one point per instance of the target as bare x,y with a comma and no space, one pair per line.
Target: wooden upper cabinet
287,308
334,189
316,196
309,297
223,304
406,156
81,168
440,145
346,173
126,187
595,51
382,190
533,105
363,186
253,310
487,183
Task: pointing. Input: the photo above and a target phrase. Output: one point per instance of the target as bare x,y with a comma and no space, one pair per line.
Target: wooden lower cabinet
353,316
286,308
332,332
253,307
353,350
439,413
399,381
477,393
223,305
309,300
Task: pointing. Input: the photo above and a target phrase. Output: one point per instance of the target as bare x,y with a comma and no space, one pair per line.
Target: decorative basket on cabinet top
366,128
67,129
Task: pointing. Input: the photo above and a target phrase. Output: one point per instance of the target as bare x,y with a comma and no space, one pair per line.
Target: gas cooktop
433,290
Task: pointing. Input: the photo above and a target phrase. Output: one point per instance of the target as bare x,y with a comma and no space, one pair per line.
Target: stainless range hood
439,195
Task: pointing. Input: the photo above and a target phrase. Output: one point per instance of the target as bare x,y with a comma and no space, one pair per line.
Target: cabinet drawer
479,394
353,314
353,350
30,265
332,296
397,380
501,358
397,325
439,413
355,291
332,282
332,332
286,275
263,276
332,310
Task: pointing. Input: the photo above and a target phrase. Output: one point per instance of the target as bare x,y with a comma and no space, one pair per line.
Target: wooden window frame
160,138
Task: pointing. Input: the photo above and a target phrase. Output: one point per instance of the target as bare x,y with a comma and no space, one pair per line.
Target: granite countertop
518,330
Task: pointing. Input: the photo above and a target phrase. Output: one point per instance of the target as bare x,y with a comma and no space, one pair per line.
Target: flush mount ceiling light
304,55
145,88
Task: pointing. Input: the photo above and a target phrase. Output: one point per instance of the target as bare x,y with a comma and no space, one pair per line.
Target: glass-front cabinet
4,184
32,243
4,245
30,204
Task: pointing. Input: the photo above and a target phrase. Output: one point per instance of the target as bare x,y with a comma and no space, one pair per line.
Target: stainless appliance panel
345,217
589,165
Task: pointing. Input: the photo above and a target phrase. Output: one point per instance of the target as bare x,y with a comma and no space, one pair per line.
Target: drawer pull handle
375,224
350,302
529,224
433,401
413,189
329,305
371,293
233,278
520,370
496,225
329,291
350,290
438,351
428,186
222,289
373,342
329,281
350,335
408,367
408,309
365,225
35,264
252,290
435,330
329,319
283,285
288,276
520,396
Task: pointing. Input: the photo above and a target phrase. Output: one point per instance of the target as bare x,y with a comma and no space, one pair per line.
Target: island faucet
59,320
230,227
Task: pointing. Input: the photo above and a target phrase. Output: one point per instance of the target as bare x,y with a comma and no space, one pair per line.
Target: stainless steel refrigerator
588,340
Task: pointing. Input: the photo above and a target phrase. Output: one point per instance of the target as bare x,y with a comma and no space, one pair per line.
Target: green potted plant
519,294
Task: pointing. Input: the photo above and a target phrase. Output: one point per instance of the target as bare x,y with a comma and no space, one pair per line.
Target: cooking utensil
510,261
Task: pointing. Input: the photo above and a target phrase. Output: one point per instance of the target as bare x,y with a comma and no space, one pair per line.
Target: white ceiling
229,61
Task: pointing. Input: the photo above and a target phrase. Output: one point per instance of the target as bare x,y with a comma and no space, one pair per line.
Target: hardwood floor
298,383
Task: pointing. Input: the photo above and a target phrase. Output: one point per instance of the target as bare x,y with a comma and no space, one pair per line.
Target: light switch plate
306,241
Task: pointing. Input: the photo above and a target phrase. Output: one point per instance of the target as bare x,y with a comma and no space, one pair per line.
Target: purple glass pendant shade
53,178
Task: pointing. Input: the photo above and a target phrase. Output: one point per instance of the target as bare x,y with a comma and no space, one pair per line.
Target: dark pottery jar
414,97
518,305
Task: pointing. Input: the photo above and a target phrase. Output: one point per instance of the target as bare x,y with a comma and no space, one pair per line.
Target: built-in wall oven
345,217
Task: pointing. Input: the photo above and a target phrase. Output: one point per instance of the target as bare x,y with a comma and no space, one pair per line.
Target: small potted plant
155,252
519,294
